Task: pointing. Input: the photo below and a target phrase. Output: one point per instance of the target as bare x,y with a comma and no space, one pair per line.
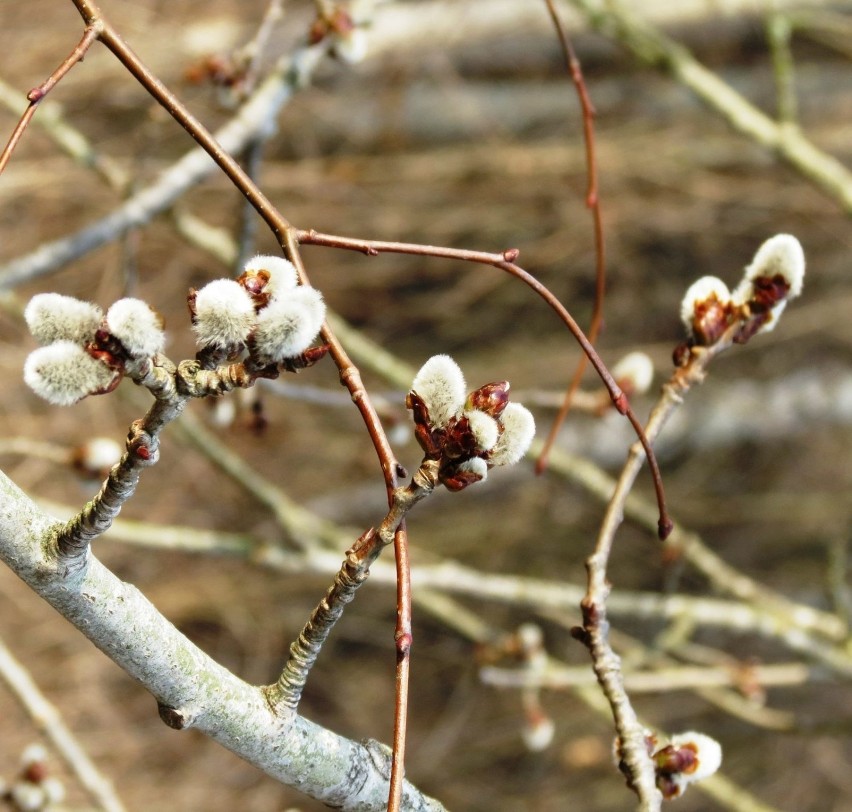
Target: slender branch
650,45
35,96
593,203
49,721
192,690
505,262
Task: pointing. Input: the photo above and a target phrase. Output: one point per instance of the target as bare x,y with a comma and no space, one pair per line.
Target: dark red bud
670,759
710,320
491,398
35,773
767,292
455,480
459,441
255,282
308,358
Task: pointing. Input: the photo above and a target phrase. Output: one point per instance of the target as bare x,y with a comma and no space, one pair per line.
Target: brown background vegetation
475,145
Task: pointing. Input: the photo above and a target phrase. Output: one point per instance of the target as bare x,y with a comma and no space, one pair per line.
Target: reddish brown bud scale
35,772
491,398
710,321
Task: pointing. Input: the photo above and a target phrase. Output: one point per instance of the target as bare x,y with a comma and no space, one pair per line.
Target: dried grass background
472,144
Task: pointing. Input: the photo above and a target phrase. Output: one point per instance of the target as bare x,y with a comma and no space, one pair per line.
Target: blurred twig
615,20
49,721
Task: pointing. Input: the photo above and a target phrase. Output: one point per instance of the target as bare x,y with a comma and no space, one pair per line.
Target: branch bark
190,688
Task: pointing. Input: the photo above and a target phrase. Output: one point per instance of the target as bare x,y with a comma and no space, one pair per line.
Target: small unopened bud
54,317
279,274
537,732
350,46
63,373
775,276
137,326
465,473
54,790
781,255
287,326
27,797
706,309
518,431
634,373
491,398
690,757
224,314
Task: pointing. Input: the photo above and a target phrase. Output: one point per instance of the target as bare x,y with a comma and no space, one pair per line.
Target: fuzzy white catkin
54,317
484,429
475,465
137,327
638,368
781,255
27,797
63,373
518,432
441,386
282,272
702,290
224,314
708,753
351,47
288,326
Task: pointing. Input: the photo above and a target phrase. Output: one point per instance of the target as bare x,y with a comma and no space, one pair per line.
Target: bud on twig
54,317
63,373
467,434
137,326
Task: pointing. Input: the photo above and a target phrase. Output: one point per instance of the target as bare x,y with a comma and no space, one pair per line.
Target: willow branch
651,45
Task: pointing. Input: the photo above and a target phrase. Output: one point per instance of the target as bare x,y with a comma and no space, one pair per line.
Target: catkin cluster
264,317
83,350
774,277
467,432
265,312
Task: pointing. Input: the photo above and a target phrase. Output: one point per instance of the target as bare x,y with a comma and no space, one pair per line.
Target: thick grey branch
191,689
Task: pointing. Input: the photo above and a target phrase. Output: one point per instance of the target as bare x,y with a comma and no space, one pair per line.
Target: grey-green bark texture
191,689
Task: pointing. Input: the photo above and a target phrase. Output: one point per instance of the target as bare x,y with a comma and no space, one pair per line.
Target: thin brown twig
505,262
35,96
593,203
284,232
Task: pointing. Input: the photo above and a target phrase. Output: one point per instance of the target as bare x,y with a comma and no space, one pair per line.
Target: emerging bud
775,276
54,317
690,757
271,274
634,373
441,387
706,310
63,373
518,431
350,46
287,326
224,314
537,732
137,326
491,398
781,255
460,476
484,429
